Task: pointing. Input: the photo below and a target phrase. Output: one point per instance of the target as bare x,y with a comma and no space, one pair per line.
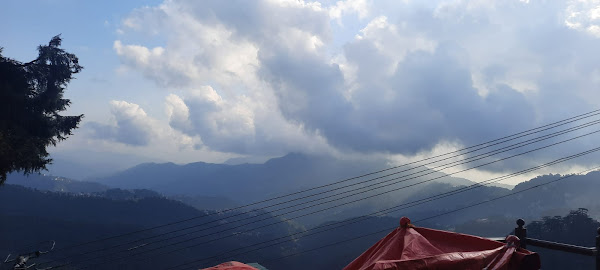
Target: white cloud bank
264,77
129,125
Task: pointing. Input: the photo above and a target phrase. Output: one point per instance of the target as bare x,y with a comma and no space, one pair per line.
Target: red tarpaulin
231,266
409,247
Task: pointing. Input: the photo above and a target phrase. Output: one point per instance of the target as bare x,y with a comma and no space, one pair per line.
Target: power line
516,135
270,224
388,191
442,167
430,217
387,210
212,240
433,170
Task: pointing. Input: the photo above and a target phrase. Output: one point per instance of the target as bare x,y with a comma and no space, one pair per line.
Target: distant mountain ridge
257,181
248,183
115,210
34,216
547,199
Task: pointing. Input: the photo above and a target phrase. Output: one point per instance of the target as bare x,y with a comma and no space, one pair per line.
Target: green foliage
31,97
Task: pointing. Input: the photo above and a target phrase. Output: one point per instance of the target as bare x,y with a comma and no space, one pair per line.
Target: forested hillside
73,217
30,217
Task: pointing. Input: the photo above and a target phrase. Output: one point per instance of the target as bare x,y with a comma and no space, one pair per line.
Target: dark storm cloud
428,99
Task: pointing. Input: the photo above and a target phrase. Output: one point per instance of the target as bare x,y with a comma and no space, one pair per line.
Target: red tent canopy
231,266
409,247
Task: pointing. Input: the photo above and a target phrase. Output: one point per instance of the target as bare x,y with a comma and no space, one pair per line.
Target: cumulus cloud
214,55
213,119
236,126
134,130
359,7
129,125
266,77
584,16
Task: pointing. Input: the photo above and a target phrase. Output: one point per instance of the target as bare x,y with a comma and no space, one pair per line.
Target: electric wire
270,224
521,134
432,170
563,121
431,217
337,205
384,211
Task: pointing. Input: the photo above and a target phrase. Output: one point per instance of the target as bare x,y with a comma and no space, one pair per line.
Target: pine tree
31,98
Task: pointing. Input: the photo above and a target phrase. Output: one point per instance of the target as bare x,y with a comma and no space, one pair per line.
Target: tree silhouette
31,97
576,228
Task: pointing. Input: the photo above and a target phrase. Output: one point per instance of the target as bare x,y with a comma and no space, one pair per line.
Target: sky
186,81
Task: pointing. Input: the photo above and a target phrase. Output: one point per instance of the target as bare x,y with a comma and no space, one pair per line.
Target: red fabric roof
409,247
231,266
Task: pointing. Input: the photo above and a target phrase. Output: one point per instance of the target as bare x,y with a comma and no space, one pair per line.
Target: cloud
359,7
584,16
259,78
130,129
129,125
178,113
214,56
236,126
216,42
213,119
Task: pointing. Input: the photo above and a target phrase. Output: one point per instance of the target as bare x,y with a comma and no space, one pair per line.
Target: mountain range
150,194
248,183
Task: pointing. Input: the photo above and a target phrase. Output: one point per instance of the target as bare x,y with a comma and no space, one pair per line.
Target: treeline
576,228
